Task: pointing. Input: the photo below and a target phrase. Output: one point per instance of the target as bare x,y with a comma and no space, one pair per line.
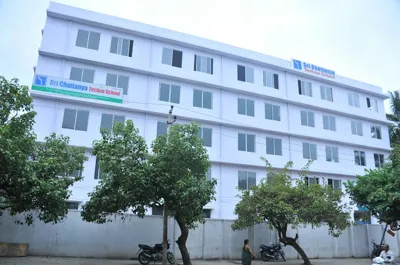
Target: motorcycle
148,254
377,249
272,251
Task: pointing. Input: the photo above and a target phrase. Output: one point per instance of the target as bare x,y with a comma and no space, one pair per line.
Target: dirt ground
79,261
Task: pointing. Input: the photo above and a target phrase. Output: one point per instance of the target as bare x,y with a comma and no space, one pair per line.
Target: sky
359,39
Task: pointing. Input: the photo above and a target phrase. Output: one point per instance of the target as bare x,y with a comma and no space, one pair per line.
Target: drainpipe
288,118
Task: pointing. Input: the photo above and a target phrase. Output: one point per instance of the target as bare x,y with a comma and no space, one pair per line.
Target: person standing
247,254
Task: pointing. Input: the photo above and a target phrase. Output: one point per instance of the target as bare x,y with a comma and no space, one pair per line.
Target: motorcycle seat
143,246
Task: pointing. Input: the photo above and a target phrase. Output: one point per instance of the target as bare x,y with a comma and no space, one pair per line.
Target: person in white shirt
385,257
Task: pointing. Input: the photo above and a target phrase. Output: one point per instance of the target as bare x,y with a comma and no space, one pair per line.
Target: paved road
77,261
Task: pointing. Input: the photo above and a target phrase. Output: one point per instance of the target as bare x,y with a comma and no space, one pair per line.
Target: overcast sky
359,39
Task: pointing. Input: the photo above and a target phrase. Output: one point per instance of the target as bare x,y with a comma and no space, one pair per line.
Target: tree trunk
182,243
292,242
165,236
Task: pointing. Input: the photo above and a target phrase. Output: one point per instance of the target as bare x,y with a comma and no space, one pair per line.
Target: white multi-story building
94,69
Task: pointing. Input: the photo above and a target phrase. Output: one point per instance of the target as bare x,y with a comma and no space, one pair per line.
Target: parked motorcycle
148,254
377,249
271,252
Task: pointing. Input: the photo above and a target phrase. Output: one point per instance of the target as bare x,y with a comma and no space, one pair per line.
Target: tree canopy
283,201
133,178
34,177
378,189
394,130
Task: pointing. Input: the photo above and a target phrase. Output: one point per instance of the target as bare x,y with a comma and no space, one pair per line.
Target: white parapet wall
212,240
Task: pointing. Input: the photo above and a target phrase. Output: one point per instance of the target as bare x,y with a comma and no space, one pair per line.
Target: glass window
379,160
326,93
376,132
309,151
359,158
356,128
161,128
272,112
274,146
307,118
82,38
76,74
332,154
203,64
167,56
246,180
206,134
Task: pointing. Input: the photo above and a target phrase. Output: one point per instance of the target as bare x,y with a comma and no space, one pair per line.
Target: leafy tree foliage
378,190
394,130
282,201
180,164
133,179
33,176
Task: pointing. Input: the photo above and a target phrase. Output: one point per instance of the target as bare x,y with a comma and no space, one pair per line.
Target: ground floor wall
212,240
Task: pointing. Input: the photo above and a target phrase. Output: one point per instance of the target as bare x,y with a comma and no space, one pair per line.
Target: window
97,171
75,119
108,120
307,118
379,160
305,88
208,176
359,158
376,132
332,154
354,100
336,184
81,75
271,79
272,112
245,74
246,142
311,181
121,46
329,122
172,57
246,107
207,213
88,39
356,128
202,99
120,81
326,93
372,104
309,151
246,179
157,210
72,205
203,64
162,128
206,134
169,93
274,146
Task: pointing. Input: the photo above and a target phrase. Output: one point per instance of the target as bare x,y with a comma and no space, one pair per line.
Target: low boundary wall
212,240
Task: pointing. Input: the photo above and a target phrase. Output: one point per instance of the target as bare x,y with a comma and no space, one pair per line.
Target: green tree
181,163
33,176
282,201
378,189
394,130
133,179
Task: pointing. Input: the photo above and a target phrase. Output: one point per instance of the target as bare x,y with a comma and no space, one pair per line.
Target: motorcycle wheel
265,257
282,255
171,257
143,259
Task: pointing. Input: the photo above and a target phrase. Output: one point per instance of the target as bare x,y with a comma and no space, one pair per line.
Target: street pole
171,120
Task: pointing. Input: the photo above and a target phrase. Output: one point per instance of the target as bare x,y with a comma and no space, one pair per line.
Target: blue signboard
313,69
